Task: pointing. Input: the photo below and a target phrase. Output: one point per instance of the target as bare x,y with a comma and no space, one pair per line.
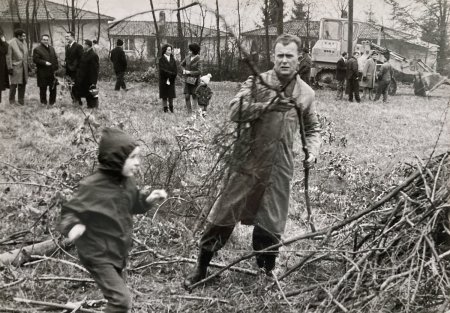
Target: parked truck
333,41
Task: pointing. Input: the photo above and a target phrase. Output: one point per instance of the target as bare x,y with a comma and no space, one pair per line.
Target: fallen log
19,256
68,306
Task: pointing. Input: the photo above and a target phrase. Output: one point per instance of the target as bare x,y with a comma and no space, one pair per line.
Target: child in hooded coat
99,217
204,94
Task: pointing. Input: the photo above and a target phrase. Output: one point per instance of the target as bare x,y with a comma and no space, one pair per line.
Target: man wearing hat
87,76
119,61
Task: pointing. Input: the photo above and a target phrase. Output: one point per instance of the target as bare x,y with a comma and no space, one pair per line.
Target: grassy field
45,151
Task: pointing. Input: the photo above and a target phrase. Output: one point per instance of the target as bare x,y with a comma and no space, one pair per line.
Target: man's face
44,40
69,38
286,59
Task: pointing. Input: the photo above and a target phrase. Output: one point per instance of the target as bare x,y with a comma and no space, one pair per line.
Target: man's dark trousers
43,94
353,88
12,93
120,81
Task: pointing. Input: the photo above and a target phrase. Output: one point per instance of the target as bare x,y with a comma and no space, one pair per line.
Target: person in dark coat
99,218
353,78
304,68
87,76
192,69
257,189
4,78
167,75
44,56
119,60
341,75
74,51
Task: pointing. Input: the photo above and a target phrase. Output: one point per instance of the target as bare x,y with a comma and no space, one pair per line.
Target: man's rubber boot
200,269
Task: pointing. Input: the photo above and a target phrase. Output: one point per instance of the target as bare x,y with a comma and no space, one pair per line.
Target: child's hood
114,148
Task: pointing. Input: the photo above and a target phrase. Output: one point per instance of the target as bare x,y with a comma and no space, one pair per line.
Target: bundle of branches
393,257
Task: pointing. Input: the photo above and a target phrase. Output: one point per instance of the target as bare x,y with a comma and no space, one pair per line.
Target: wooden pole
350,28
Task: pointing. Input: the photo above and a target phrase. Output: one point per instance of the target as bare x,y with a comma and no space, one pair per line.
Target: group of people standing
81,68
195,86
349,74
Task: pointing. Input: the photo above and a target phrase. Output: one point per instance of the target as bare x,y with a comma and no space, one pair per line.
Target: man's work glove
76,232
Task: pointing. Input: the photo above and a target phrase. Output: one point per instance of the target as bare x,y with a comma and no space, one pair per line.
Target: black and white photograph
225,156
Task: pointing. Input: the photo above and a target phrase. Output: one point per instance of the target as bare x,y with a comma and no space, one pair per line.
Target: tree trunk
19,256
99,21
350,28
219,60
47,17
279,9
180,35
239,28
72,20
266,28
157,34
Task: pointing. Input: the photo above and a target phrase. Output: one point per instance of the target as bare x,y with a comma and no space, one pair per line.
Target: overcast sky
250,9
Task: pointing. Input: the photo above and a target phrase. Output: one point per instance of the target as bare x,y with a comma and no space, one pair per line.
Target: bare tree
431,18
219,60
341,7
98,20
157,34
239,27
181,42
47,17
266,29
72,21
279,15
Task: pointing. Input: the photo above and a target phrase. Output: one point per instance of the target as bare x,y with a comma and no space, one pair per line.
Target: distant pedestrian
304,68
4,78
204,94
87,76
353,78
99,218
74,51
368,77
167,74
192,69
17,62
119,61
385,76
44,56
341,74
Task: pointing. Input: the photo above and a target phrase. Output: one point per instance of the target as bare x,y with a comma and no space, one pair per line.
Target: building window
128,43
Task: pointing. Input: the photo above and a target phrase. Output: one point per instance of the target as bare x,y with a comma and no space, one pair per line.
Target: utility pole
350,28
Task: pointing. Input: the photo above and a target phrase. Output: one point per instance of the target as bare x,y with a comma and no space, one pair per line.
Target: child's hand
76,232
157,195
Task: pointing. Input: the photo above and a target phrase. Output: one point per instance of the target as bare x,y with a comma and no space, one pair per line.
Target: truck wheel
392,88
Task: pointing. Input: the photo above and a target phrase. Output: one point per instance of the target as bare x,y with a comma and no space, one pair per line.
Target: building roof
293,27
147,28
368,31
10,12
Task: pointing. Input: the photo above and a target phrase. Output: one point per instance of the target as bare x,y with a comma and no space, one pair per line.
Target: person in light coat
368,77
258,189
17,63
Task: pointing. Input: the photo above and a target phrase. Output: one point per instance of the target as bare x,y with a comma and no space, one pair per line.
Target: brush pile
392,257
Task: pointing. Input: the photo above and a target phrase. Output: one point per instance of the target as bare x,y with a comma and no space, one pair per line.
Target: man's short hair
88,42
306,50
344,54
286,39
19,32
71,33
119,42
194,47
